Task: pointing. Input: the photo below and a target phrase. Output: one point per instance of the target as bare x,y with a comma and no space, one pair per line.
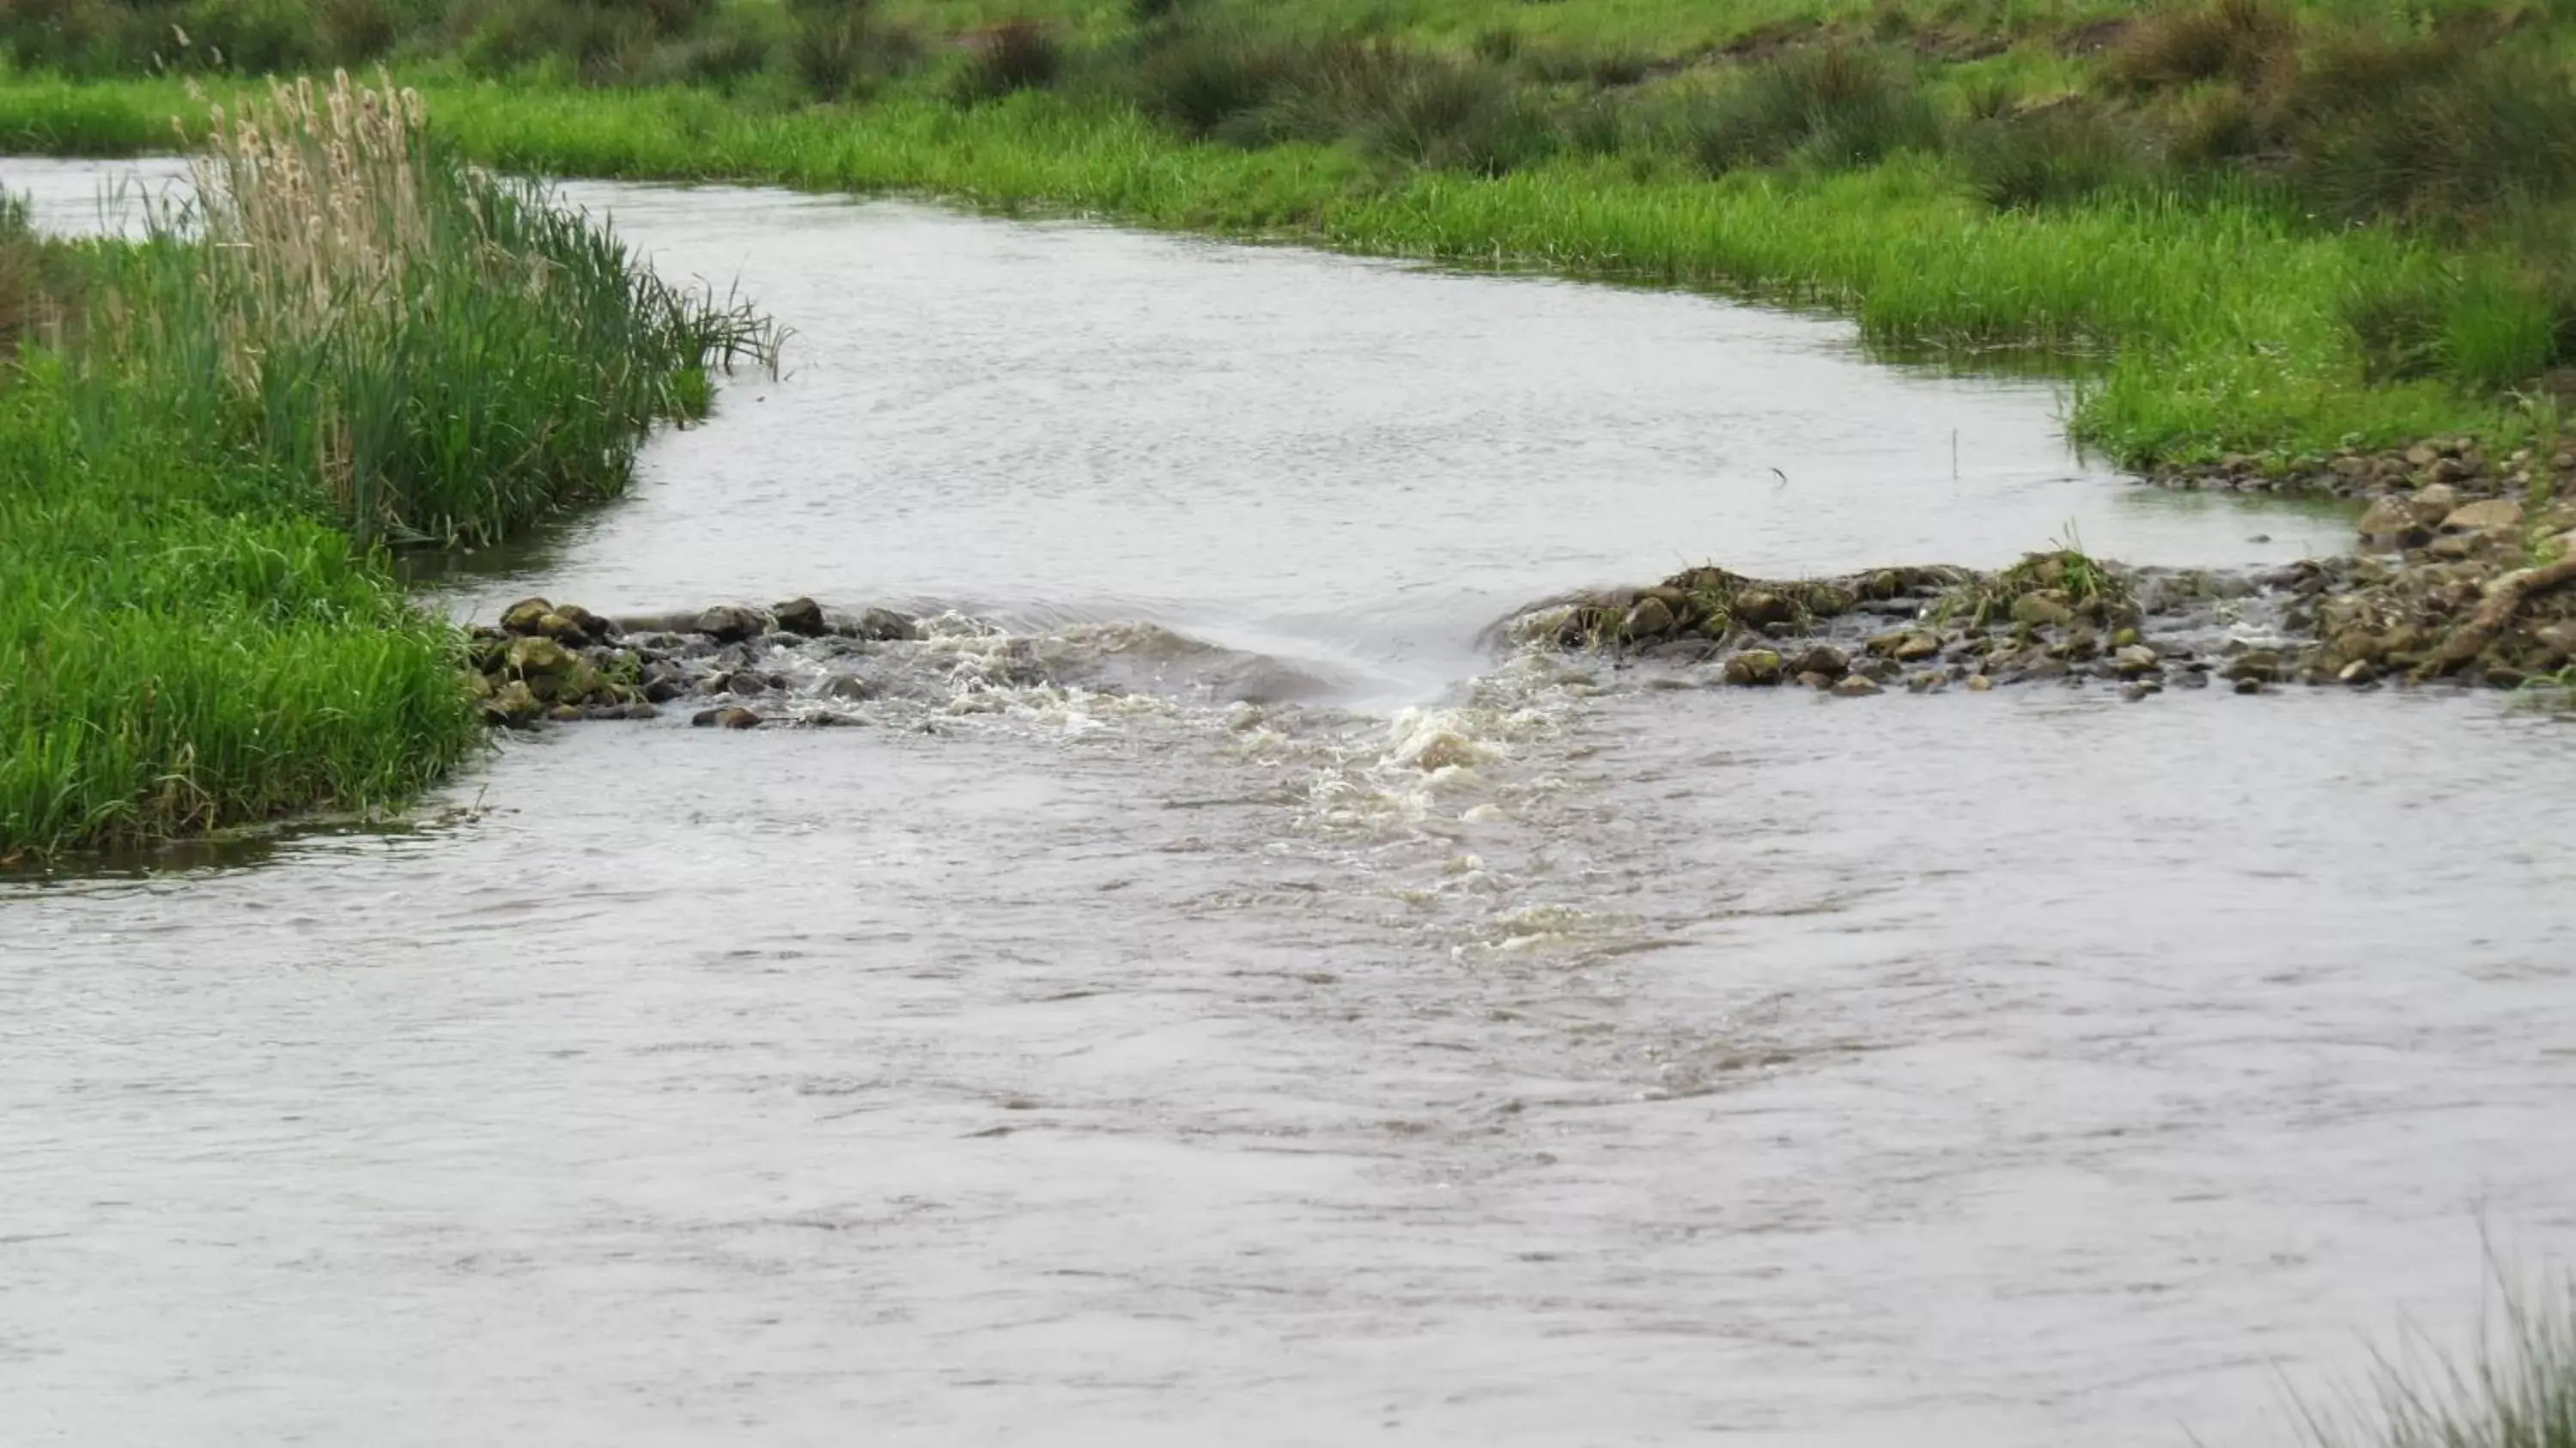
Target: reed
348,339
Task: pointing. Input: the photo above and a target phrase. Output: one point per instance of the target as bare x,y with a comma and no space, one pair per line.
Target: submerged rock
884,625
731,717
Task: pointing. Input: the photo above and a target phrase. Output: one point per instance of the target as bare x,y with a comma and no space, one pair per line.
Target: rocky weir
548,662
2444,590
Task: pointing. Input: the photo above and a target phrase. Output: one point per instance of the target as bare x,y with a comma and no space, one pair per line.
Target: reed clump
346,340
444,353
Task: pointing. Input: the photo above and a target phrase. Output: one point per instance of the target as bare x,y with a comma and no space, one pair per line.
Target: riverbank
210,437
2031,189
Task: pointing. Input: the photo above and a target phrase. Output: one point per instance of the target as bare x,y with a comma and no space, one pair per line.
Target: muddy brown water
1279,1019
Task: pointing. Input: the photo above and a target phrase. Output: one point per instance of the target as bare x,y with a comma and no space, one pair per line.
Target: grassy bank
2278,227
207,439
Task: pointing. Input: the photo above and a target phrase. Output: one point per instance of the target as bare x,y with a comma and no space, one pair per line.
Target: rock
745,682
1906,643
535,656
848,686
802,616
2422,455
2359,673
2134,661
2480,516
1651,618
1926,681
512,704
2249,685
1754,667
1824,659
2139,690
1854,686
1979,683
731,717
884,625
2389,518
563,713
1757,608
580,683
2042,610
2260,666
730,623
521,617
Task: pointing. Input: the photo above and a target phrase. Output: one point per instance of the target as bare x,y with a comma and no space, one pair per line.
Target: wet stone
1754,667
731,623
730,717
884,625
801,616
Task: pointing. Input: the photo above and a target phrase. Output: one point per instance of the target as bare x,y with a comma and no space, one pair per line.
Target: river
1231,1000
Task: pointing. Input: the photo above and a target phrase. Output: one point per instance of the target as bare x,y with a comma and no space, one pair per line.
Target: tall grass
348,331
2518,1391
447,355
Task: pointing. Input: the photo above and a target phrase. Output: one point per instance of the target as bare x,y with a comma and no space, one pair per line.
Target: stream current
1227,998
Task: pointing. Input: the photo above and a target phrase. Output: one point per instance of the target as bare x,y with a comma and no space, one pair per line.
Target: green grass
2225,323
2263,227
2517,1391
208,438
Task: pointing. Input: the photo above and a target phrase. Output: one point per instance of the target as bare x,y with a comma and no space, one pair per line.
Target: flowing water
1223,997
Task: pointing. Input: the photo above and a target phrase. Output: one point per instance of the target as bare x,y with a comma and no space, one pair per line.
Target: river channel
1233,999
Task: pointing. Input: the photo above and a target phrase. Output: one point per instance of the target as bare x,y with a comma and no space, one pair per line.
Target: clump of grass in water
447,355
2066,572
349,327
2518,1392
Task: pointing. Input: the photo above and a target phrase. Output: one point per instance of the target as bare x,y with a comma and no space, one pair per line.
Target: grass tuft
1833,107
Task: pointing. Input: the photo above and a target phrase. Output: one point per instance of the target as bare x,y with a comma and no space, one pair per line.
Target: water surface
1467,1049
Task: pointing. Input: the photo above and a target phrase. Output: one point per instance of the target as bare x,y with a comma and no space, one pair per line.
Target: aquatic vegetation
2517,1391
349,332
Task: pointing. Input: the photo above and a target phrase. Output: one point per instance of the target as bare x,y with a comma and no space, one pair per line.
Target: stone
2359,673
1650,618
848,686
2389,518
730,717
1926,681
1754,667
532,656
884,625
1854,686
2134,661
801,616
1757,608
745,682
1824,659
1979,683
512,704
2042,610
563,713
2478,517
2260,665
581,683
2248,684
731,623
521,617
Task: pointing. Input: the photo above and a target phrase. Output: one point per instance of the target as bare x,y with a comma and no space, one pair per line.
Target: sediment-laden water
1211,994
